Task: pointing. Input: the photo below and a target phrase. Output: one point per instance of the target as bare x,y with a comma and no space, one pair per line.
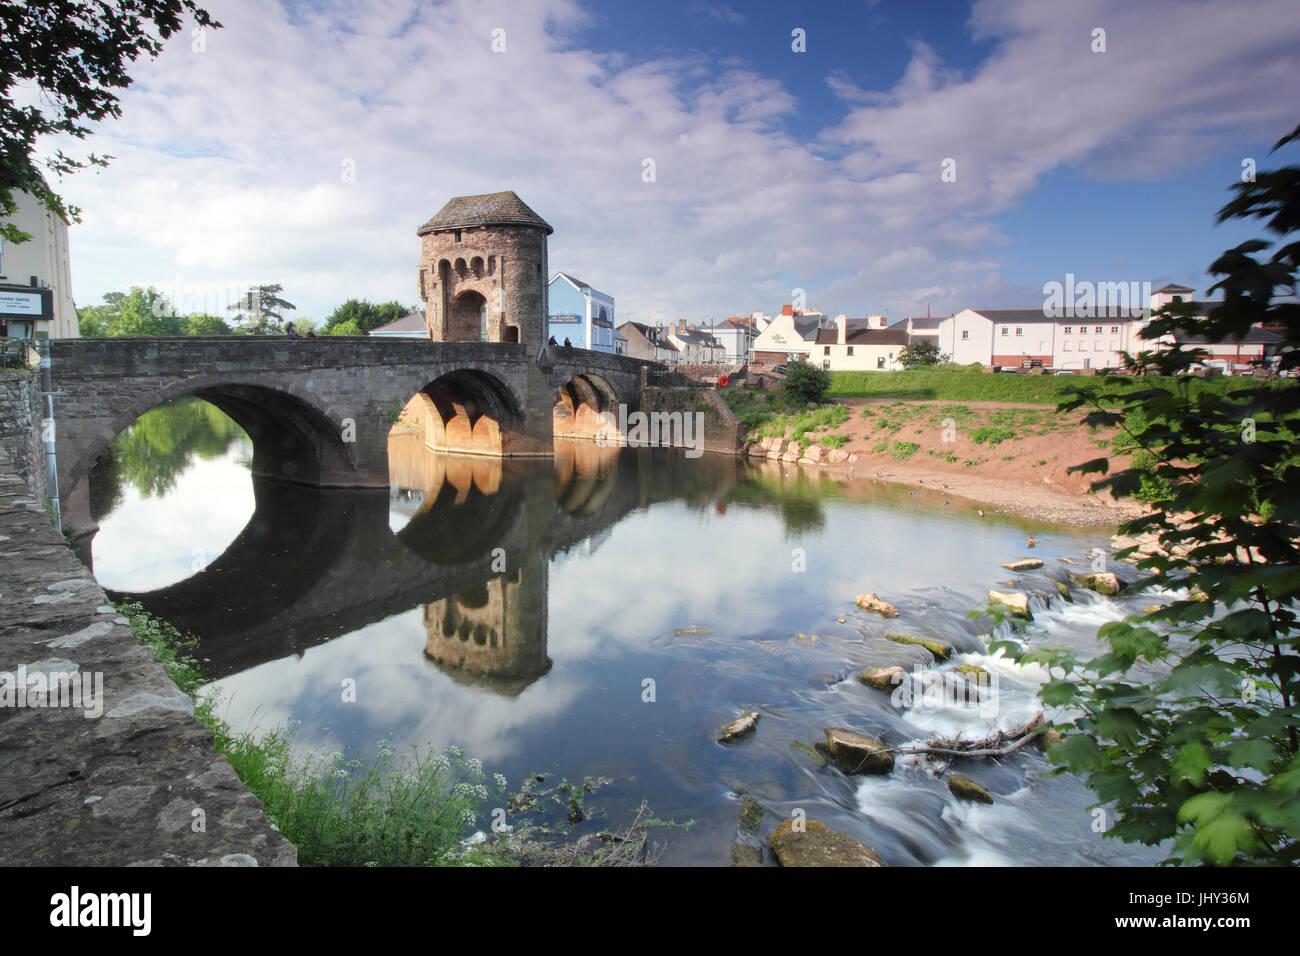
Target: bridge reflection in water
467,540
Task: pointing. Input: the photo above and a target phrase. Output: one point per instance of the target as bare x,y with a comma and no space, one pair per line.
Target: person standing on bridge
289,331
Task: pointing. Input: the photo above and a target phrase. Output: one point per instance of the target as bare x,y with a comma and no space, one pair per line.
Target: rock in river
1103,582
816,844
964,788
1024,564
939,649
857,753
1017,601
869,602
691,630
883,678
744,724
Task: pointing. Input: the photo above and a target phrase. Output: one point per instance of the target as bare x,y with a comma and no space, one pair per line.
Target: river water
603,615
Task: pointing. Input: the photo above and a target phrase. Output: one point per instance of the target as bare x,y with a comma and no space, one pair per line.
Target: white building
860,345
36,276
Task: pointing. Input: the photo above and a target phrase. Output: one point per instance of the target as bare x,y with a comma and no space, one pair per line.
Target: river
603,615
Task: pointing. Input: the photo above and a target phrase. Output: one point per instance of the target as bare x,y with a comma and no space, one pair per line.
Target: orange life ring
723,381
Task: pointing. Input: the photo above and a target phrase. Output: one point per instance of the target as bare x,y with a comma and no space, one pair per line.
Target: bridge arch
580,404
293,438
468,411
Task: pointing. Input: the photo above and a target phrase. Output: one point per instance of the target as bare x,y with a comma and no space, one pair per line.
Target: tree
143,312
344,328
75,54
260,306
365,316
921,354
199,323
1189,720
805,382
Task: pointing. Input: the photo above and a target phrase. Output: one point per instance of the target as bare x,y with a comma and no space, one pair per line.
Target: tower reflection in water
493,634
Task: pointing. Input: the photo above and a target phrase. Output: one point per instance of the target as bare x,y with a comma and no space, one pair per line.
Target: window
1087,363
880,362
1019,330
826,363
1098,330
1069,330
1114,330
1096,347
1066,346
1004,330
1114,346
850,350
965,334
826,350
1083,346
458,235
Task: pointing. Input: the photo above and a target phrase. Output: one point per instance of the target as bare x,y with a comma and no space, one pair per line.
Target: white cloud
229,162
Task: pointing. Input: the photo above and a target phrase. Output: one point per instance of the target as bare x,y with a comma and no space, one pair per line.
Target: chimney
875,321
841,323
787,310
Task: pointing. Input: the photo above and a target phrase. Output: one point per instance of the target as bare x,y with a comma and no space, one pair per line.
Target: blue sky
775,169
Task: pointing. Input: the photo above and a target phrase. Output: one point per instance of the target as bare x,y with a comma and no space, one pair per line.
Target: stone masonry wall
121,773
20,427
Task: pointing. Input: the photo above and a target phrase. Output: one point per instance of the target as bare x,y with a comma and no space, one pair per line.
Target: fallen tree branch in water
988,747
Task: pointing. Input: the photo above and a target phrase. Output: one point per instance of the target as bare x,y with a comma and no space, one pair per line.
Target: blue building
580,314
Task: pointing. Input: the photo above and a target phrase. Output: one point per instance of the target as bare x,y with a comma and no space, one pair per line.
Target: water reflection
516,609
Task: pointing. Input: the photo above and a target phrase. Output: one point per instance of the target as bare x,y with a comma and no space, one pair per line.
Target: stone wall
121,773
722,430
20,427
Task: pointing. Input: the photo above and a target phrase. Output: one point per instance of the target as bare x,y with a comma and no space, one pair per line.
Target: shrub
805,382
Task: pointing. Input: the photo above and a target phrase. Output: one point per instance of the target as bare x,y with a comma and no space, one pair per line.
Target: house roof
863,336
695,336
489,209
576,281
652,334
923,323
1031,316
1174,288
807,328
407,323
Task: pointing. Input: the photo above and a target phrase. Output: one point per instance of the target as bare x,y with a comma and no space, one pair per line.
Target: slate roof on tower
490,209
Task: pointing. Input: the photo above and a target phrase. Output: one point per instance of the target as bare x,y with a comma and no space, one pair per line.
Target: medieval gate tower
483,271
483,278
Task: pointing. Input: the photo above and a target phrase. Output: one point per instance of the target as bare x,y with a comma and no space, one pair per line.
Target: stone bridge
319,410
313,564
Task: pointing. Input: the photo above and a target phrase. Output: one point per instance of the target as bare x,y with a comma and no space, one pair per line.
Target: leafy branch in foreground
75,55
1189,720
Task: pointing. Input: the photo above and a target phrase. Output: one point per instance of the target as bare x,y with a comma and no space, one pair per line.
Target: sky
305,142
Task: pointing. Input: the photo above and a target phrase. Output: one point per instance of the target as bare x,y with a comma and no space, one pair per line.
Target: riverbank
1012,458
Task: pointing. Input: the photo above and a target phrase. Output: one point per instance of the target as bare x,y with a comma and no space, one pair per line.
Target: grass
904,450
412,809
834,441
960,384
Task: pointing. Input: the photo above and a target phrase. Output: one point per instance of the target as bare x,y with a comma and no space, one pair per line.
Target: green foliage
261,308
805,382
66,61
904,450
199,323
349,327
922,354
991,435
833,441
170,648
956,383
151,454
1188,720
361,316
